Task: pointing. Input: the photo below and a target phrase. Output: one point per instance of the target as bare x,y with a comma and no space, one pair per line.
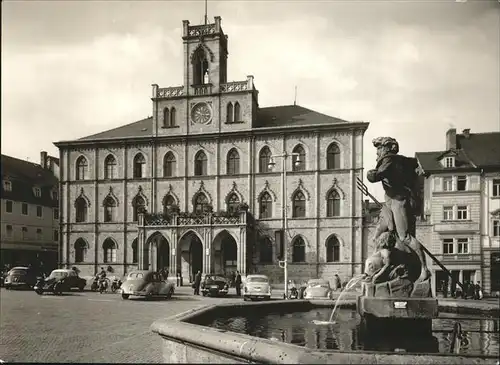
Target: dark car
60,280
214,285
20,277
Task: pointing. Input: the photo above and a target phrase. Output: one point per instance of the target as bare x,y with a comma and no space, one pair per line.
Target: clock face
201,113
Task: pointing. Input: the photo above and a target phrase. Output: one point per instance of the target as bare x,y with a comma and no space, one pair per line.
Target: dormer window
449,162
37,191
7,185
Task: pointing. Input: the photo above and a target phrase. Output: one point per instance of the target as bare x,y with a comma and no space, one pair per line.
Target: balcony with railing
169,92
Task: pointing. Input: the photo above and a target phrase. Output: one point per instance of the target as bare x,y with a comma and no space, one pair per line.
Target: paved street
86,327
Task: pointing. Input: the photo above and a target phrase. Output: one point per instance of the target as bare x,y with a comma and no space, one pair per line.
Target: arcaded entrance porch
224,254
189,256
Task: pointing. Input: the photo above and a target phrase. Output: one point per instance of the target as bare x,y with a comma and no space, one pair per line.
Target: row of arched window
201,202
233,112
169,117
201,163
109,247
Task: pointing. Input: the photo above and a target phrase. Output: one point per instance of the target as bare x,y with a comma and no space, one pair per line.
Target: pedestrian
197,283
165,271
233,278
479,291
237,283
337,283
445,288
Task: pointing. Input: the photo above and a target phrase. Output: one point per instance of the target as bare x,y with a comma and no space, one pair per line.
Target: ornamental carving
300,187
201,113
335,186
234,190
111,195
201,189
267,189
84,197
170,192
141,194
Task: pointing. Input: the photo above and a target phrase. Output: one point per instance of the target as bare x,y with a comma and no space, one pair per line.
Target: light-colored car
318,289
257,287
144,283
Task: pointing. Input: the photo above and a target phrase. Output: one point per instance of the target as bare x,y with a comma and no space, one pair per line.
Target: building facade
191,188
30,213
462,199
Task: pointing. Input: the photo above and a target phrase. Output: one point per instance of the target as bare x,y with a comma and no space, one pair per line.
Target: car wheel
170,293
81,287
204,294
39,291
268,297
125,296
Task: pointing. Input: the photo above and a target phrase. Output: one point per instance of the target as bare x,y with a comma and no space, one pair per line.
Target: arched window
233,162
166,118
200,164
301,157
237,114
299,250
264,159
232,203
200,66
167,203
139,205
81,210
333,249
333,204
266,206
200,203
173,117
110,167
80,250
333,157
229,113
266,251
81,168
134,252
139,166
109,248
299,204
169,165
109,209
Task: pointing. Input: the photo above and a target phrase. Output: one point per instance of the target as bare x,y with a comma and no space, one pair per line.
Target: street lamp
284,206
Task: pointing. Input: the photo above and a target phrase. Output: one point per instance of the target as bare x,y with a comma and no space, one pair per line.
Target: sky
412,69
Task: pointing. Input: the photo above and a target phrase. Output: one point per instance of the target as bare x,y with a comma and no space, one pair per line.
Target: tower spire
206,17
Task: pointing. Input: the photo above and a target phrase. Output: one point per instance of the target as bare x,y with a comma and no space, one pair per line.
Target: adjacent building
462,200
30,212
206,168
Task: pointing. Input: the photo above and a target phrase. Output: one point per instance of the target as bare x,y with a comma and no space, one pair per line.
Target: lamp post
284,206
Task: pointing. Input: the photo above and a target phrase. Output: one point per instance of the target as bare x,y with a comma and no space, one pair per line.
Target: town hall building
199,185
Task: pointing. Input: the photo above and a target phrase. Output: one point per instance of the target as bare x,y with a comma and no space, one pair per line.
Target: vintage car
318,289
59,281
214,285
257,287
148,284
20,277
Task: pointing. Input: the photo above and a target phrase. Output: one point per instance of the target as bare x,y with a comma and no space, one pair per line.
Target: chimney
451,139
466,133
43,159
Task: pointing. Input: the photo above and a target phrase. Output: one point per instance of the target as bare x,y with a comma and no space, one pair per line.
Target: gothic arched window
299,250
81,210
237,113
229,113
109,248
233,162
138,204
139,166
200,164
200,203
266,251
232,203
173,117
299,204
110,167
333,249
166,118
333,204
80,250
265,206
200,66
81,168
301,157
109,209
169,165
167,203
333,157
264,159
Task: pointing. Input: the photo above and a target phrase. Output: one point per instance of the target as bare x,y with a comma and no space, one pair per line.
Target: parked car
257,287
148,284
59,281
20,277
318,289
214,285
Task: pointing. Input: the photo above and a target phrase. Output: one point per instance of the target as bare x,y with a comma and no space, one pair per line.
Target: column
461,276
433,282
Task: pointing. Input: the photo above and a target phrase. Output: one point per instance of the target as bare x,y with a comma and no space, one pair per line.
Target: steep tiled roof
25,176
276,116
477,150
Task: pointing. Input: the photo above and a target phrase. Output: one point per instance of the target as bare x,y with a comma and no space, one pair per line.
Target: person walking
197,283
237,283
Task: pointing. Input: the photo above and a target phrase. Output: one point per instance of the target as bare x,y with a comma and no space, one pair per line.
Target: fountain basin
183,341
